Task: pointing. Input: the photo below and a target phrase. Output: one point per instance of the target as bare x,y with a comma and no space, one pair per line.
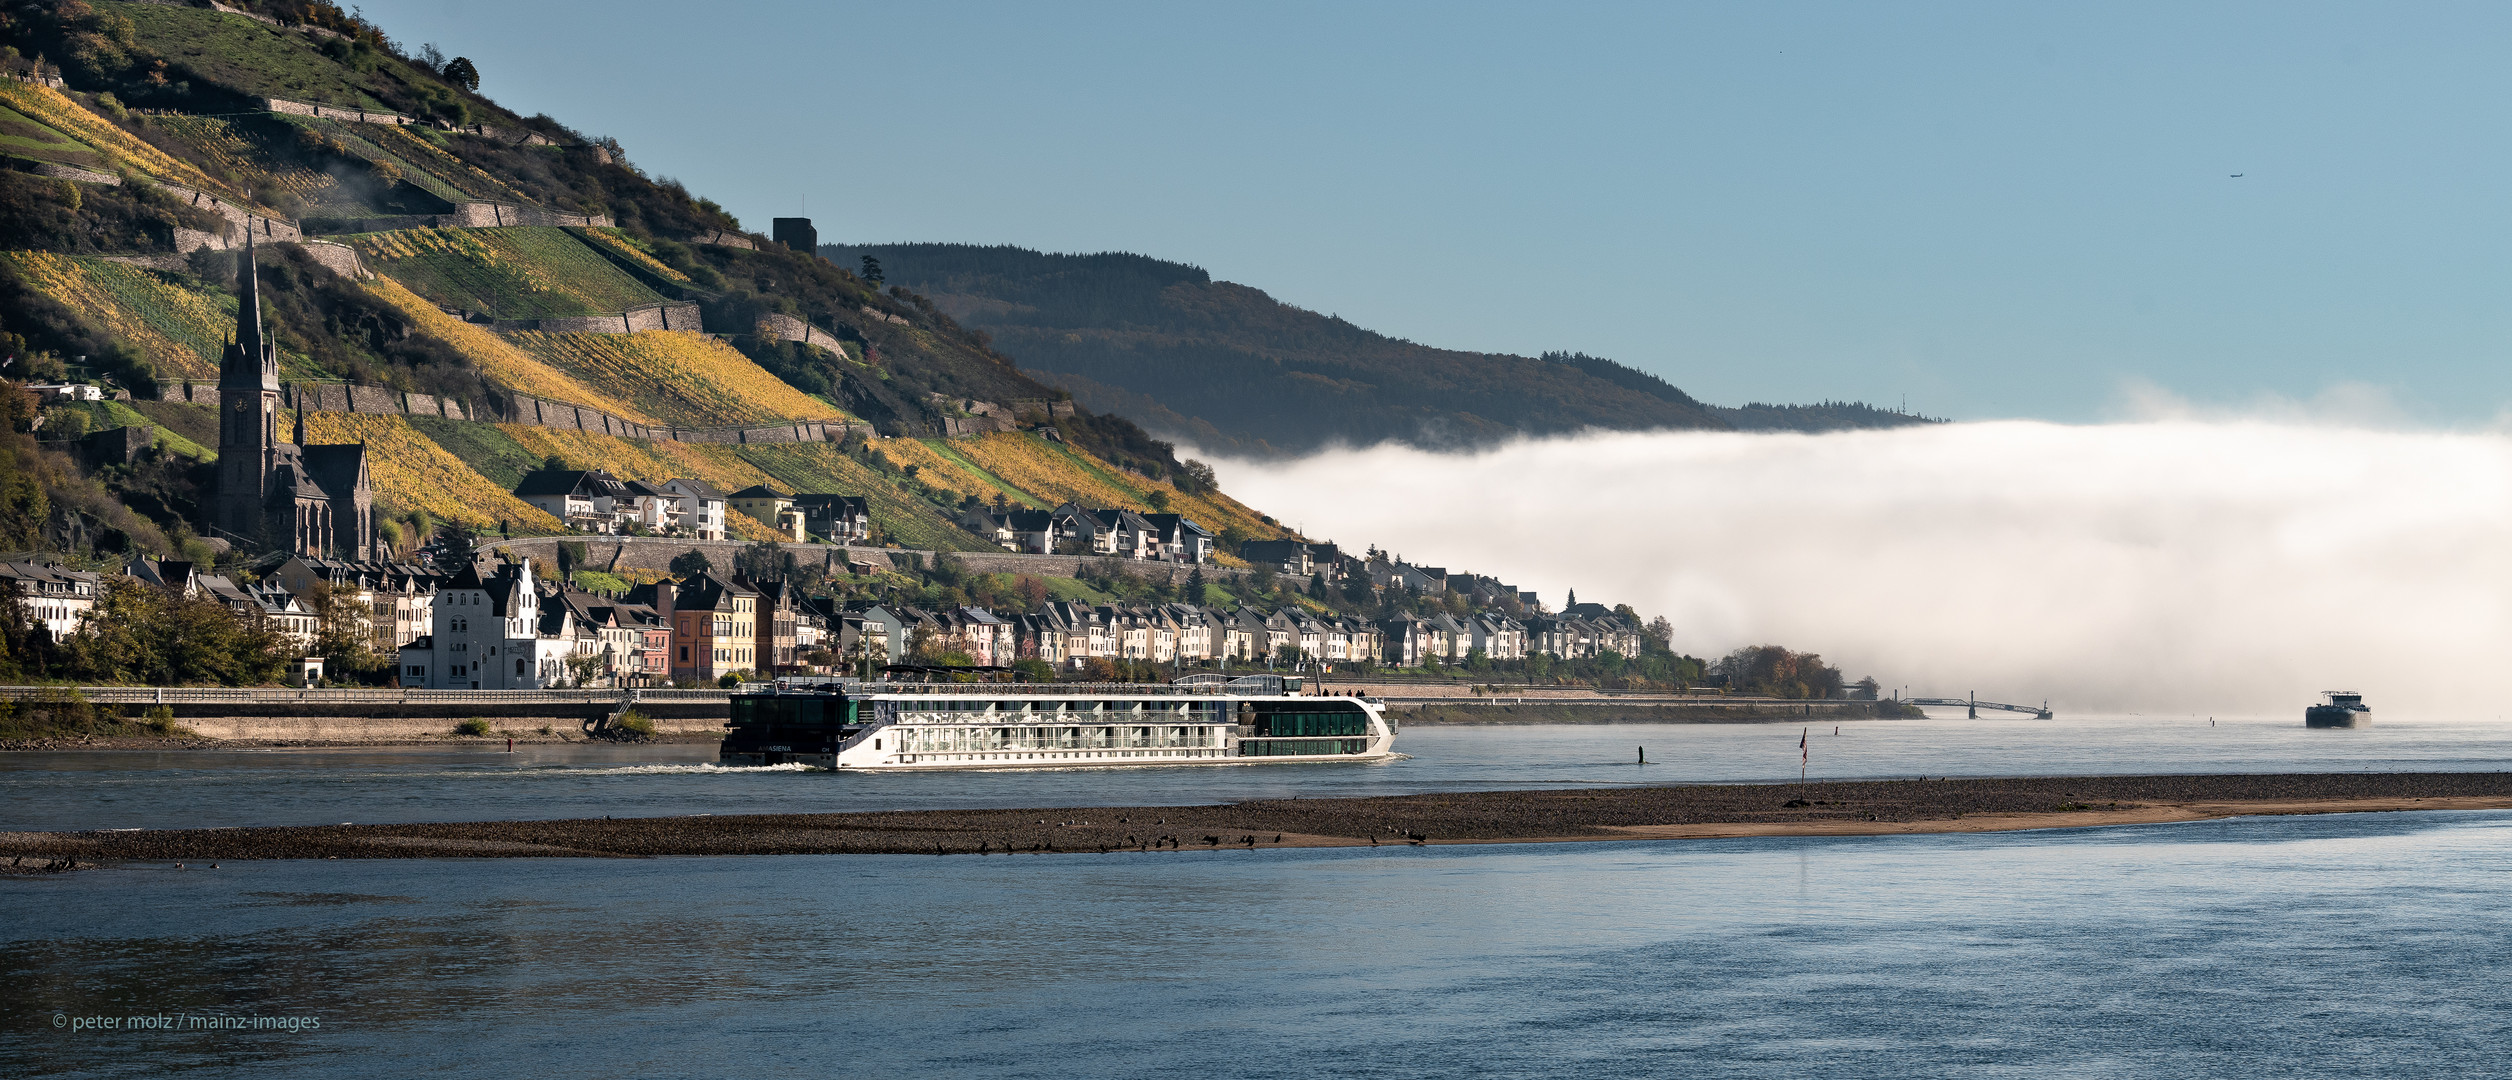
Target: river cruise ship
889,725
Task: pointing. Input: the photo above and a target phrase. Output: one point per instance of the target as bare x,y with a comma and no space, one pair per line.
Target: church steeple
248,414
251,364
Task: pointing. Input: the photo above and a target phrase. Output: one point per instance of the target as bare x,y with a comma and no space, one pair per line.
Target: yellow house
771,507
715,628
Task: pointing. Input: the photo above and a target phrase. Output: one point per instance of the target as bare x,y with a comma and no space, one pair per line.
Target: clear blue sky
1999,210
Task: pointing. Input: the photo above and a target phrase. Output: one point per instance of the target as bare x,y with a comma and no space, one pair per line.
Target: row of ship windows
1293,747
942,713
951,740
1052,755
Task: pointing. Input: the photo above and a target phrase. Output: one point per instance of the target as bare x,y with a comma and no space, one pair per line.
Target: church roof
337,467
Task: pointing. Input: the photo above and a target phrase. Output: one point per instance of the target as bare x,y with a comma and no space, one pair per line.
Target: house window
418,671
519,666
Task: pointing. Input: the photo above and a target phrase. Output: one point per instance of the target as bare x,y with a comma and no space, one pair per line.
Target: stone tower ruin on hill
796,233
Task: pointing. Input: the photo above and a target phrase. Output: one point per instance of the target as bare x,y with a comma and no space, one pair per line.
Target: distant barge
2338,709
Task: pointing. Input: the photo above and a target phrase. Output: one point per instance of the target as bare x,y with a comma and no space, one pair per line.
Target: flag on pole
1804,754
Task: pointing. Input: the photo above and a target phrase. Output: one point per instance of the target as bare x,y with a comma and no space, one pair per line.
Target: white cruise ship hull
935,729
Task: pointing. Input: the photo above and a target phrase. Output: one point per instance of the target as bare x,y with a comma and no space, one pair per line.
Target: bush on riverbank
632,726
64,713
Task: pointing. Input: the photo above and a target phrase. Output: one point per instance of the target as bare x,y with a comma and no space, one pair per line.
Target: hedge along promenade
1830,808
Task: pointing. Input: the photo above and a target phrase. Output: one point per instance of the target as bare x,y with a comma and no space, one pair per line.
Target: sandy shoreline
1846,808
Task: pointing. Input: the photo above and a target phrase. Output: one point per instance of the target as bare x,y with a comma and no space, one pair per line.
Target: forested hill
1230,368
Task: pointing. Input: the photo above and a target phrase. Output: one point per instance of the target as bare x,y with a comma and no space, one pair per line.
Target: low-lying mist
2181,566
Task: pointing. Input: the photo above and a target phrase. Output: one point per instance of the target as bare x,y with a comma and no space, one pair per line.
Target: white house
701,507
59,599
489,634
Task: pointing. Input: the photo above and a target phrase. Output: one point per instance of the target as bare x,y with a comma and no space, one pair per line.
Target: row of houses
1307,559
594,501
1072,529
1066,635
393,600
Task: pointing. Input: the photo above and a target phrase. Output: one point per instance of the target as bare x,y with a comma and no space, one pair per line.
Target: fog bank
2180,565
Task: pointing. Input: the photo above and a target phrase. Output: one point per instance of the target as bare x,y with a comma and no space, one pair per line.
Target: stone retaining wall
788,328
489,215
64,172
476,215
330,397
333,112
526,409
675,316
265,229
720,238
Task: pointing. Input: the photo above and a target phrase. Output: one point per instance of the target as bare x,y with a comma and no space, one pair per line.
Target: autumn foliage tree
1773,671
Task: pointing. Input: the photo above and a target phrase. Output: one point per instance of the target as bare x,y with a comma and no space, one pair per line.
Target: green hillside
249,57
24,136
94,287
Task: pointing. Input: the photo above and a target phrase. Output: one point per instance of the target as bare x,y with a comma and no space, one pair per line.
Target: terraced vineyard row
183,330
518,272
617,242
412,472
416,148
677,376
234,149
498,358
121,151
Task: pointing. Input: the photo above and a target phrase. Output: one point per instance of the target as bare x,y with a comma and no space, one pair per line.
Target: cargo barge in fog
892,726
2338,709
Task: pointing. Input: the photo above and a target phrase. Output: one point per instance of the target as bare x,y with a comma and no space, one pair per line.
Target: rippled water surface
2357,945
127,789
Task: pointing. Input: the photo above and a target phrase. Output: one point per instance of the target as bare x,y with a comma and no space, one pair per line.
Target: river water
2343,945
2354,945
128,789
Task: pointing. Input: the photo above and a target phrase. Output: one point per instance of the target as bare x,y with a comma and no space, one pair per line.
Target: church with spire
273,495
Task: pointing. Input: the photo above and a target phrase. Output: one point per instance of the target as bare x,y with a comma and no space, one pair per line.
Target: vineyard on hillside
21,135
170,97
619,243
899,512
181,329
121,151
238,150
419,152
1055,472
678,377
498,358
516,272
412,472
